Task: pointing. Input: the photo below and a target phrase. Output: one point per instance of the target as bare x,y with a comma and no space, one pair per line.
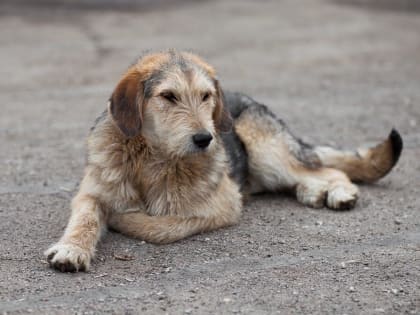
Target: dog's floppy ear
221,115
125,105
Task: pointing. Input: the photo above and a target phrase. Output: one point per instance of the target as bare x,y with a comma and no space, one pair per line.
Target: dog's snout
202,139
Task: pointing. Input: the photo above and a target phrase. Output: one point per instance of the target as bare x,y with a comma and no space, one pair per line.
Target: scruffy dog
173,155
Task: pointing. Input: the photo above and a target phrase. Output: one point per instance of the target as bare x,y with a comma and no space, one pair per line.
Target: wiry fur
146,178
366,164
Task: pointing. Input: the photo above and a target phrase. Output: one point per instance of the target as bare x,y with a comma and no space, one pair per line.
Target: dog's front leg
223,208
76,247
167,229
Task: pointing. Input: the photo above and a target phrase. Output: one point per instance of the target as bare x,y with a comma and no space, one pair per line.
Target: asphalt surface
341,73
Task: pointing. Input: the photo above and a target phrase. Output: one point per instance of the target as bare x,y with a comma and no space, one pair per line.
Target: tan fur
77,246
273,167
175,191
221,208
147,179
365,165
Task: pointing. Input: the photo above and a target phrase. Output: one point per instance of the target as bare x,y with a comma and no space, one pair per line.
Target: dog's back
363,165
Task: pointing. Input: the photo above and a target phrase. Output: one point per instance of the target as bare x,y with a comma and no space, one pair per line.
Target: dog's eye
169,96
206,96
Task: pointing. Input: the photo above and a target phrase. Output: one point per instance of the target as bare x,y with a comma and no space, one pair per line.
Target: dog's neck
164,181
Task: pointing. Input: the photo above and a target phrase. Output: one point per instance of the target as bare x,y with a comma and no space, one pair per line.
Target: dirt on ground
338,72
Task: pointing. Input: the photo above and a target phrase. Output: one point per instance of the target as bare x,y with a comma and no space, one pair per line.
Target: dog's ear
125,105
221,115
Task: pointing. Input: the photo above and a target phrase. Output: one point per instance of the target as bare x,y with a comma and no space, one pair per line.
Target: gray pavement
339,72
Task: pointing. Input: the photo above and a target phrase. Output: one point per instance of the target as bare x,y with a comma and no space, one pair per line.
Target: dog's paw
342,197
312,193
68,258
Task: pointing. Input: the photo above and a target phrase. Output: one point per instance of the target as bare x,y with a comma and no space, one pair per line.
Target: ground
338,72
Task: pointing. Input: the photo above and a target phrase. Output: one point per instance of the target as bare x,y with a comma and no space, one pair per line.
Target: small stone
124,257
188,311
397,221
394,291
194,290
227,300
352,289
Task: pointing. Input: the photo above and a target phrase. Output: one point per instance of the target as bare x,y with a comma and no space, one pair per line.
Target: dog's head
173,100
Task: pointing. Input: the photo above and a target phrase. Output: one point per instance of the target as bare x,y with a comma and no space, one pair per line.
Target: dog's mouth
193,149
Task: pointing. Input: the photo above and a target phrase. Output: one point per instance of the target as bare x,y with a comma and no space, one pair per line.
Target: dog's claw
68,258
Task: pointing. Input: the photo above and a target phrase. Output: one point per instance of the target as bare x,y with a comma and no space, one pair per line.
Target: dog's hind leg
318,175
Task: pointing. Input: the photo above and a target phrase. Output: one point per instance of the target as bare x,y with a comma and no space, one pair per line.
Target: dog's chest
180,188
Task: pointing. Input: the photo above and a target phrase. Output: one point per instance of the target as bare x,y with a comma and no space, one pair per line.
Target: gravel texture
339,72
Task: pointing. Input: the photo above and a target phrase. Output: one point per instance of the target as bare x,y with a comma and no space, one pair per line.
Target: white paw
312,193
342,197
68,257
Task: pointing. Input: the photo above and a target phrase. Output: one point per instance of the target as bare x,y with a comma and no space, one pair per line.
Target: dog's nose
202,139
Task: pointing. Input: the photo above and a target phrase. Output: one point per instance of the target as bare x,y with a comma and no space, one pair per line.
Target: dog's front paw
68,257
342,197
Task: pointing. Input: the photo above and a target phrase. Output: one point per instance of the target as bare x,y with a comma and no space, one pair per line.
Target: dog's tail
364,165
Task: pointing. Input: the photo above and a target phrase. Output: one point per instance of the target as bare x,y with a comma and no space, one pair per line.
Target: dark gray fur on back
238,158
237,103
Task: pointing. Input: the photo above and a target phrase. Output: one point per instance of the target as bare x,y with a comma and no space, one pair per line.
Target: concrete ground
339,72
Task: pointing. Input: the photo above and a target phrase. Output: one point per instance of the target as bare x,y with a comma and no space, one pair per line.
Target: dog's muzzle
202,139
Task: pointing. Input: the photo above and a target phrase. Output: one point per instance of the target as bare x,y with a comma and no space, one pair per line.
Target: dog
173,155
